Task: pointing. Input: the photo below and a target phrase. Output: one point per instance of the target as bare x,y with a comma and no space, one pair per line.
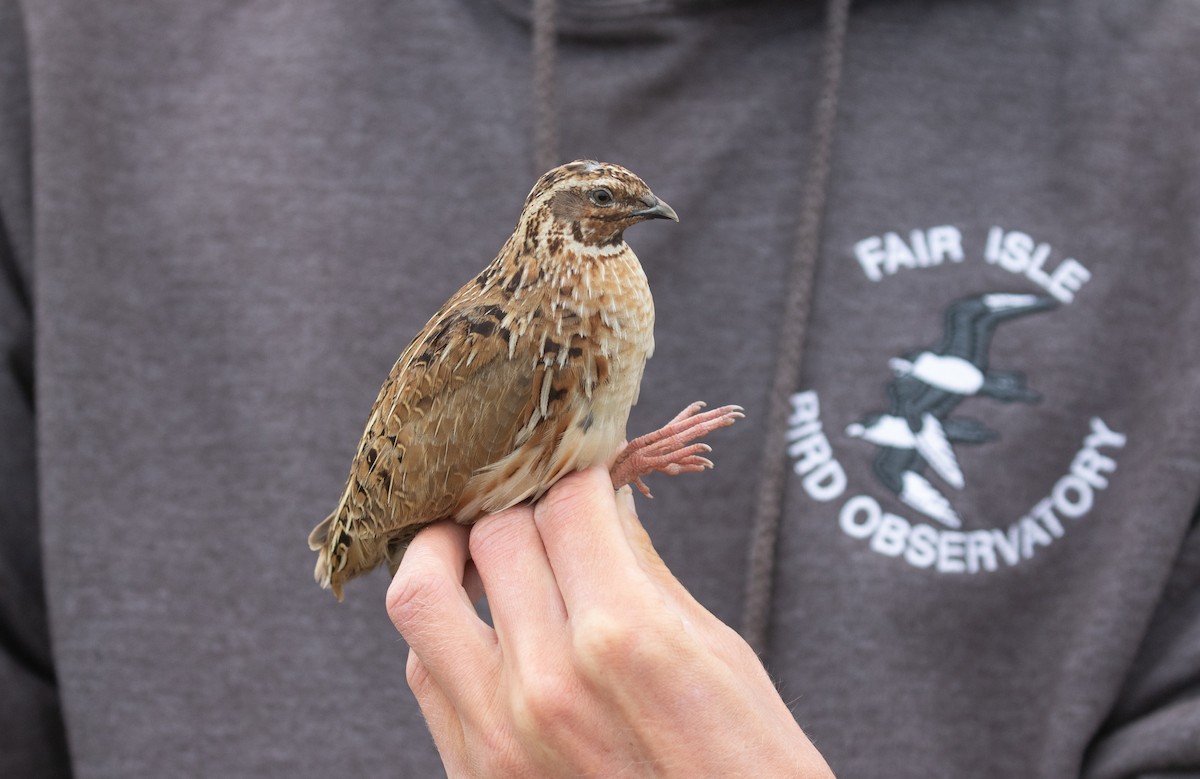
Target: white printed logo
917,436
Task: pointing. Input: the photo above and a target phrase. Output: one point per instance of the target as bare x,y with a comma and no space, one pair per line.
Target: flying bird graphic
917,430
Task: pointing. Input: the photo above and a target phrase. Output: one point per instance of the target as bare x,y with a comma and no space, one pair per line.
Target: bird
903,452
526,374
930,440
929,384
958,367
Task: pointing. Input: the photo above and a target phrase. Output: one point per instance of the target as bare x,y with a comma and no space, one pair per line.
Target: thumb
647,556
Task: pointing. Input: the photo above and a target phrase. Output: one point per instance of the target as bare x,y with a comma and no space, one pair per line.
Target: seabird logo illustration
911,499
917,429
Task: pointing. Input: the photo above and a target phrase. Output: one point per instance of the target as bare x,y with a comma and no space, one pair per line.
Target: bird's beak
656,209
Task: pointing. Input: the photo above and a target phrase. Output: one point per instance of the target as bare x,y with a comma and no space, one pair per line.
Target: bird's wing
475,386
922,496
937,451
970,323
453,404
959,332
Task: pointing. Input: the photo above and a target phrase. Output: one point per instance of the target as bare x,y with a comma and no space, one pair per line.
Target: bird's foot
670,449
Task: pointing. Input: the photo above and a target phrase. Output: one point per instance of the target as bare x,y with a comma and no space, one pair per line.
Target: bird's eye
601,197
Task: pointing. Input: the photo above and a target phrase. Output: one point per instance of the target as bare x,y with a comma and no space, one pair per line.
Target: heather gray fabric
227,219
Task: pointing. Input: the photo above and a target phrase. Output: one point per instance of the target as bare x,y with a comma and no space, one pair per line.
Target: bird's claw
670,449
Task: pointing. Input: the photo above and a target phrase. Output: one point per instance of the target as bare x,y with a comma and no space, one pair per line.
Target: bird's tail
342,555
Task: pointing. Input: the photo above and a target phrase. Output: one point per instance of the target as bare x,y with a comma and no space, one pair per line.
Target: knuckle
557,503
410,595
543,705
569,496
492,536
601,641
604,645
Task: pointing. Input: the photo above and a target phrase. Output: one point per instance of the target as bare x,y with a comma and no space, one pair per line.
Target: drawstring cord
760,576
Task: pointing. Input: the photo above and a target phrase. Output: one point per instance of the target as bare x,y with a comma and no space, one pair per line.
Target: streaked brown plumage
527,373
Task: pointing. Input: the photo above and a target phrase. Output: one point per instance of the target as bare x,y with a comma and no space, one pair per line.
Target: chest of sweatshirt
228,264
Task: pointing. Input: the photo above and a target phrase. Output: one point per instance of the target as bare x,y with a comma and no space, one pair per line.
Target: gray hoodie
221,222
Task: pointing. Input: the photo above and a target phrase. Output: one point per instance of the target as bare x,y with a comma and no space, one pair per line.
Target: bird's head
900,366
591,202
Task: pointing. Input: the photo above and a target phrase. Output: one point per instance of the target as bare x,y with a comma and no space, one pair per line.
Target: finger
428,605
591,559
717,635
638,539
527,608
645,553
440,716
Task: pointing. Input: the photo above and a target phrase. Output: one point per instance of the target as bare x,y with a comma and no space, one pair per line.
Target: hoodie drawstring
760,574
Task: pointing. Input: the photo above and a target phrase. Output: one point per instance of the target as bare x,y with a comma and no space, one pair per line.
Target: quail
526,374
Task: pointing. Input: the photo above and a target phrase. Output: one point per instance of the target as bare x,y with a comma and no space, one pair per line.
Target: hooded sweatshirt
221,222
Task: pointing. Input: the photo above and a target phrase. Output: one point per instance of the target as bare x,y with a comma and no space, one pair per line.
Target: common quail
526,374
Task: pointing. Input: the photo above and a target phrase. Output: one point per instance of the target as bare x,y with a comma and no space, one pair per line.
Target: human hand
600,663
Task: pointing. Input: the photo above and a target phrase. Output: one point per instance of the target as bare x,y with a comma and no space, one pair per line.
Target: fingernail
626,494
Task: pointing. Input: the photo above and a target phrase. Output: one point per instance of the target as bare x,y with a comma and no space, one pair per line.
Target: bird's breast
587,334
